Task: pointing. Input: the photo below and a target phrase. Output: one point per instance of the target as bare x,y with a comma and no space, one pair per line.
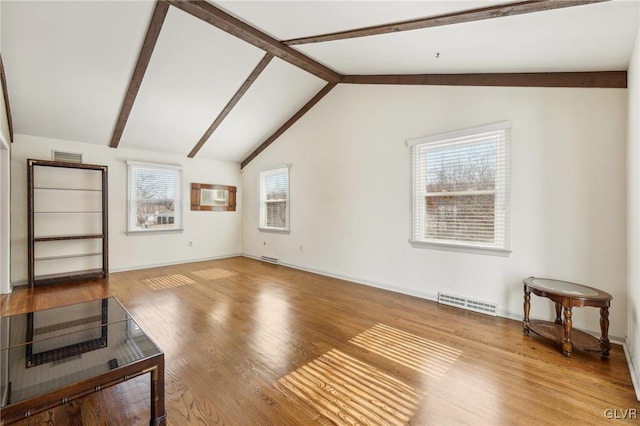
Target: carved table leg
567,345
558,313
604,329
527,306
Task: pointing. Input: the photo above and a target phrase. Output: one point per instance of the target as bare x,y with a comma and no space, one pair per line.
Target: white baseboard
427,296
17,283
376,284
633,369
179,262
383,286
23,282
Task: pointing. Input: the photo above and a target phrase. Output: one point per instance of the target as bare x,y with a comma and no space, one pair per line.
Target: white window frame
262,225
502,188
131,213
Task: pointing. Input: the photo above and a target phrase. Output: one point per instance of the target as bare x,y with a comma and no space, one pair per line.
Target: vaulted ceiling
223,80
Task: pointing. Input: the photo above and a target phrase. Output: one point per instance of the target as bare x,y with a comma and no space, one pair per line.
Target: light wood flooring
249,343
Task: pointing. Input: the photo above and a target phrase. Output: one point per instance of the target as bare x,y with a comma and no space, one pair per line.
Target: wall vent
268,259
67,157
469,304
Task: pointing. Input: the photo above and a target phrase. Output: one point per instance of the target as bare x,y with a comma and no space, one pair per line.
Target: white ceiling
68,64
595,37
281,90
194,71
293,19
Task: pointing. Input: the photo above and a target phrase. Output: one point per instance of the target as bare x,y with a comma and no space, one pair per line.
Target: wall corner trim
633,369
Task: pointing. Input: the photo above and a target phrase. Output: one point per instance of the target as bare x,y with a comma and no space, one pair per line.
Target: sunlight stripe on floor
420,354
214,273
350,392
168,281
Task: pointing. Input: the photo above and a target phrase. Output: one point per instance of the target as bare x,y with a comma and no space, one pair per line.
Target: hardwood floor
249,343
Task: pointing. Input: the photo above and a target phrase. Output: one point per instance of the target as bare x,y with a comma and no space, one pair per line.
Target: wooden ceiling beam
5,93
498,11
232,103
602,79
157,20
326,89
222,20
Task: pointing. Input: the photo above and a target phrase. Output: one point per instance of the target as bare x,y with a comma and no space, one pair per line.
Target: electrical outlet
190,243
301,248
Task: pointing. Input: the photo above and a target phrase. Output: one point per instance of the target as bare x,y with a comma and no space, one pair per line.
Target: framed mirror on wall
208,197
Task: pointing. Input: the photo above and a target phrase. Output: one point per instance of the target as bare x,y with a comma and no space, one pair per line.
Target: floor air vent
469,304
268,259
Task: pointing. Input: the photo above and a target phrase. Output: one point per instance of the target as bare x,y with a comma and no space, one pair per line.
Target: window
274,200
154,197
461,189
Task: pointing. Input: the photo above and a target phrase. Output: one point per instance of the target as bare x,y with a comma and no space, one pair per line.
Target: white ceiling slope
280,91
68,63
294,19
194,71
593,37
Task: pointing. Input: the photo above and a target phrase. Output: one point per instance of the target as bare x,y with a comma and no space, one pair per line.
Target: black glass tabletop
45,350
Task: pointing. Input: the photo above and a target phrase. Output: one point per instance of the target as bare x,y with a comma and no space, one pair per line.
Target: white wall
350,192
633,216
214,234
5,202
5,211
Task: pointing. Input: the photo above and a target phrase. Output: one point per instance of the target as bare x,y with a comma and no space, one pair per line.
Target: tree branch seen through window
154,197
274,200
460,188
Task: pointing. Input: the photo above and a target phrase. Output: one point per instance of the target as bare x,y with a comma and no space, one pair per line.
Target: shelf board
85,212
65,165
555,333
68,237
68,256
67,189
66,276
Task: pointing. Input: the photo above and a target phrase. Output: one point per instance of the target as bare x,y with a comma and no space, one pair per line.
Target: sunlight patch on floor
214,273
350,392
420,354
168,281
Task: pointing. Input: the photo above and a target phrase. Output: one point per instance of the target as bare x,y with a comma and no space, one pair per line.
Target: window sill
155,231
461,248
275,230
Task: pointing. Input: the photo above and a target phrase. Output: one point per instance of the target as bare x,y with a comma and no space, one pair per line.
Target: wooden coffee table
566,296
54,356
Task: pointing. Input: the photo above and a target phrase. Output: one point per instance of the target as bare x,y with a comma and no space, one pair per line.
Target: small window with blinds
154,197
274,200
461,189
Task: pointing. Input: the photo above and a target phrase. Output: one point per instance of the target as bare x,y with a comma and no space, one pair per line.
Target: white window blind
461,188
274,199
154,197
